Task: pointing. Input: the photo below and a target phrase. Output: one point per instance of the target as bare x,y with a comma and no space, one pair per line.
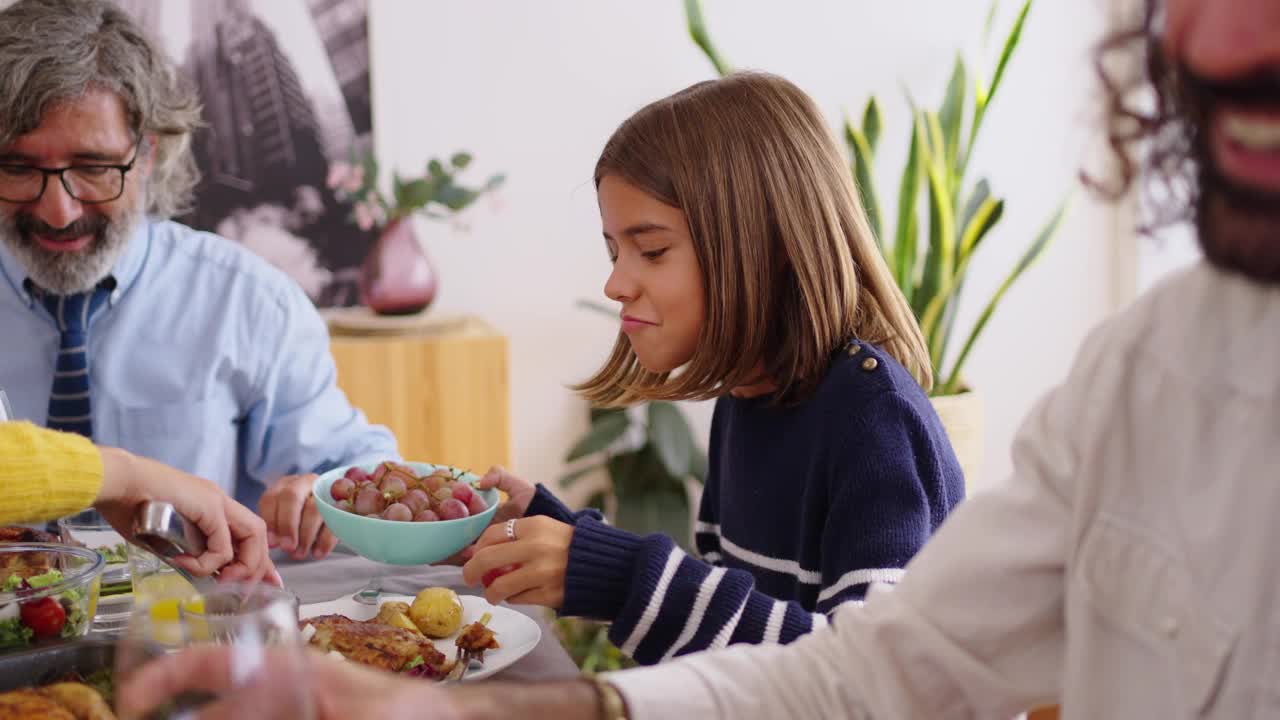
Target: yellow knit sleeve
45,474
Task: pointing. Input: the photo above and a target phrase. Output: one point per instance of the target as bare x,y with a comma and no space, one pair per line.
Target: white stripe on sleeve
860,577
722,638
695,617
654,605
773,628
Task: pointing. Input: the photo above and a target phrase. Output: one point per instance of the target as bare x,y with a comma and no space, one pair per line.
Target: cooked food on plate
477,637
60,701
25,564
396,614
372,643
437,612
396,641
20,534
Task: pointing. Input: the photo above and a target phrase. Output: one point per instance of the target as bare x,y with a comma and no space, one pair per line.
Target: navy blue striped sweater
804,507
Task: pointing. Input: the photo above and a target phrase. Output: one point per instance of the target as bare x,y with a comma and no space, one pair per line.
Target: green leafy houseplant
930,259
587,642
647,475
647,481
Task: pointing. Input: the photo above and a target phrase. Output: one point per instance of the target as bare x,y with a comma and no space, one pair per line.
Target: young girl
746,272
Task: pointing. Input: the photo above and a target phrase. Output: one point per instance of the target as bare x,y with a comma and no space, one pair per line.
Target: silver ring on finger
511,530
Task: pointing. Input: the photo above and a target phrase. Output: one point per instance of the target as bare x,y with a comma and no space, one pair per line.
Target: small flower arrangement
437,194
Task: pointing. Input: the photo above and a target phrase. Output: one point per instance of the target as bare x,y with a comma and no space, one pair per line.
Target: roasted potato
437,612
388,610
396,614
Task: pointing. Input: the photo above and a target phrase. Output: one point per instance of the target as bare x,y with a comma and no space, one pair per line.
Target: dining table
344,573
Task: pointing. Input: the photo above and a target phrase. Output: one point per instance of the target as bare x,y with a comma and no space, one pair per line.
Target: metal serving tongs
159,528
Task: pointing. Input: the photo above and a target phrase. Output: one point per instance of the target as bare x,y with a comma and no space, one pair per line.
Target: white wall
533,89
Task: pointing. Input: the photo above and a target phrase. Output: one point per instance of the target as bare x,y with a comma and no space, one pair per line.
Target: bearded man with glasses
131,329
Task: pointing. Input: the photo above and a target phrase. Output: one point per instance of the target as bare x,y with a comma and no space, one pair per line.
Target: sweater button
854,349
870,364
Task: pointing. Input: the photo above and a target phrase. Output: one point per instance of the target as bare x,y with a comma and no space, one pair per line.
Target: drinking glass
263,672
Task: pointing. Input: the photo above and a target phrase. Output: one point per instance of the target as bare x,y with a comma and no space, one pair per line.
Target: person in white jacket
1127,567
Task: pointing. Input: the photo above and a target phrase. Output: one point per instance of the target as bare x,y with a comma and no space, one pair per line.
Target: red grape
369,501
342,488
462,491
417,500
397,511
452,509
488,578
393,487
395,491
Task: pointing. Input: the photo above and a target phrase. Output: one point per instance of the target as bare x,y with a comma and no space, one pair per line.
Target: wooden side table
440,385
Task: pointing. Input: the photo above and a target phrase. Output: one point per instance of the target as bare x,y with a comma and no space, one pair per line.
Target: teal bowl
401,543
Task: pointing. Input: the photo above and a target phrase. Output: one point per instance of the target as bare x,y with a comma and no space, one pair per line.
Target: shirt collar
129,265
125,271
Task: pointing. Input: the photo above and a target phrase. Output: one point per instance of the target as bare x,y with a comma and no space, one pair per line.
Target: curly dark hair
1159,114
1151,123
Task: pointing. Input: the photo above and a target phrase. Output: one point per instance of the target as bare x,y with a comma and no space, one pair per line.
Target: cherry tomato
45,616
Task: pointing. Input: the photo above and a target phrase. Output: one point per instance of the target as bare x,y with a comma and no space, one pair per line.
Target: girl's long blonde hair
791,269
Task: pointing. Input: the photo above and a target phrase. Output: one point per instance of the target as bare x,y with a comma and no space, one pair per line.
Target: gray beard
71,272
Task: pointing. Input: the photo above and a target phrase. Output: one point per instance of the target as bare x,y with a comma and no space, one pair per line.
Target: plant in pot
397,277
650,456
934,239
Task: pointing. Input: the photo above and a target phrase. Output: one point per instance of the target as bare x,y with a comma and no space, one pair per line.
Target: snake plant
930,259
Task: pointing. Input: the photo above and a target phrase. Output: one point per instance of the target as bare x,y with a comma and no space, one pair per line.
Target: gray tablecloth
342,574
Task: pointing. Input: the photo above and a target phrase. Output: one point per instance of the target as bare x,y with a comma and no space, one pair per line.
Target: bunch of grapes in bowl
394,491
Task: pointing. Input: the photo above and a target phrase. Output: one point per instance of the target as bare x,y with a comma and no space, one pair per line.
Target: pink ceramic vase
397,277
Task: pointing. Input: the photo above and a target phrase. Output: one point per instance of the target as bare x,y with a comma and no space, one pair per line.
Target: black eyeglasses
91,183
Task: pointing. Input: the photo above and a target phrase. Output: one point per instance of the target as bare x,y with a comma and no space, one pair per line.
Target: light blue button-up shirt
205,358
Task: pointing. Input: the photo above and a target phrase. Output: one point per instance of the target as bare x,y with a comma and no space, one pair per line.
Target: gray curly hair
52,51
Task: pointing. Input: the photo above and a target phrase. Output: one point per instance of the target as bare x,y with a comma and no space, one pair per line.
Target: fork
461,664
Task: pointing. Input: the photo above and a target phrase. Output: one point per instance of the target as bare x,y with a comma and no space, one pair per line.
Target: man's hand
293,521
341,690
236,538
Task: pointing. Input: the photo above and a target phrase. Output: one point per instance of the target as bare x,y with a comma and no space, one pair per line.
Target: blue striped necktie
69,407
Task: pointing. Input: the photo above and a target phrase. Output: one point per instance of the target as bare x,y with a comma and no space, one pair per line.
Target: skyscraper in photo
262,139
344,29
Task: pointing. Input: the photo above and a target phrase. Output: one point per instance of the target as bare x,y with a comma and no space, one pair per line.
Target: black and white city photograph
285,92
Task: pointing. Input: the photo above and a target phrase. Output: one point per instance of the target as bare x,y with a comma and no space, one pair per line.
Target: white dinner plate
515,632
